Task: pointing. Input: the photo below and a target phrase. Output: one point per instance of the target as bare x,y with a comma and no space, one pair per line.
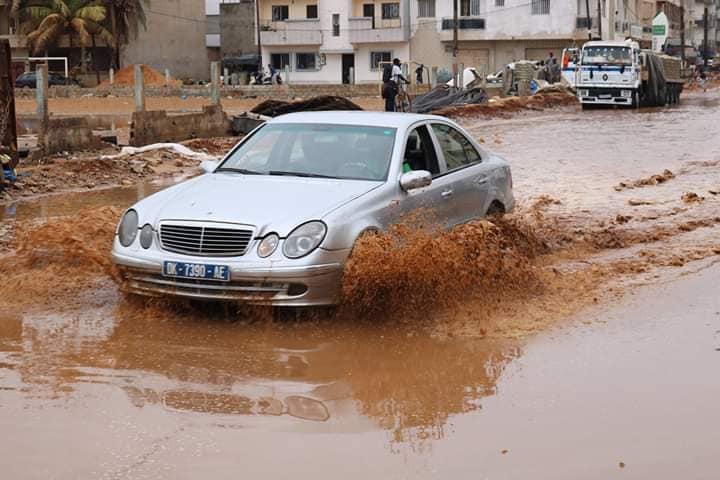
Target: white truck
620,73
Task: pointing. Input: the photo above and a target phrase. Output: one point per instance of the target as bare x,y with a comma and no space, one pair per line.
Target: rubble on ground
502,106
151,77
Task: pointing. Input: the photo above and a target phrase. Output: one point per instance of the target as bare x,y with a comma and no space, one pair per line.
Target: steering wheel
367,172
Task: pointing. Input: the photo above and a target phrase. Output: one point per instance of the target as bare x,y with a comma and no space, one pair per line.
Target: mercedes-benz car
275,221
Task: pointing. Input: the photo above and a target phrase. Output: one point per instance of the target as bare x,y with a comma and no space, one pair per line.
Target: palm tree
47,20
126,17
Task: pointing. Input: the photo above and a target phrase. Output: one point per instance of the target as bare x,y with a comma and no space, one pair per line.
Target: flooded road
622,385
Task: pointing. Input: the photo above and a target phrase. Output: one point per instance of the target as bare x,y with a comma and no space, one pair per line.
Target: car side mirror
415,179
209,166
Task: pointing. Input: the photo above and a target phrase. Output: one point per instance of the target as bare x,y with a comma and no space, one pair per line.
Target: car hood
270,203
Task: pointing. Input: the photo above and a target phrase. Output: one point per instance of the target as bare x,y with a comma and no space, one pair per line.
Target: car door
421,154
465,176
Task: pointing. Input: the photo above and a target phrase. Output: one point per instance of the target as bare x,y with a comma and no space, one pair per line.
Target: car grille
204,240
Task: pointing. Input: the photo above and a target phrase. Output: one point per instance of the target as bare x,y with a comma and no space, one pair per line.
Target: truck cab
610,73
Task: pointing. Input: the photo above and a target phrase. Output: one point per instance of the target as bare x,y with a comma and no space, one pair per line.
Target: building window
311,11
336,24
469,8
377,57
280,60
305,61
280,13
390,11
426,8
540,7
499,3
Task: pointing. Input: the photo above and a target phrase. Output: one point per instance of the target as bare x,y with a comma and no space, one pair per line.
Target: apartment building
319,40
323,41
696,27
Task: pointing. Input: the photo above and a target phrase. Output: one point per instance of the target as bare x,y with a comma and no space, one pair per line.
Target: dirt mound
417,266
503,106
273,108
151,77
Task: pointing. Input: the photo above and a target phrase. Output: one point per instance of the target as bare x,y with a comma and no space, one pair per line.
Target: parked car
29,80
275,221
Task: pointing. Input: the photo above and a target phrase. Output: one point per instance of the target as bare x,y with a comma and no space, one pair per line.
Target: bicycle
403,102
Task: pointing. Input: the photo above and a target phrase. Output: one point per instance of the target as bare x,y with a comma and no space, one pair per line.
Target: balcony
290,32
469,28
365,30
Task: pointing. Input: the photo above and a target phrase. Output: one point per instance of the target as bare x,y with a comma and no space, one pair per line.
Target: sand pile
151,77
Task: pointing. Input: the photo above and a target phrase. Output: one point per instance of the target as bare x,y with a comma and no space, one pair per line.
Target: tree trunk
113,25
94,59
70,66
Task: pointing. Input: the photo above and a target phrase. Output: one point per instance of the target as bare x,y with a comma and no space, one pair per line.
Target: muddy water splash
59,257
415,267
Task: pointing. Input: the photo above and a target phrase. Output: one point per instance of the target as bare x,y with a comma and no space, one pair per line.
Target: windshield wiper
298,174
244,171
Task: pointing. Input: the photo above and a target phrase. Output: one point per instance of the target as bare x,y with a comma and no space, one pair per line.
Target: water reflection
402,380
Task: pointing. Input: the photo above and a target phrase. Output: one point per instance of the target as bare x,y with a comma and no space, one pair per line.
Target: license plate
605,96
196,270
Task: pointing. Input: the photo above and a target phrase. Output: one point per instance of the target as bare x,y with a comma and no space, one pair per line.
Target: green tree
45,21
126,18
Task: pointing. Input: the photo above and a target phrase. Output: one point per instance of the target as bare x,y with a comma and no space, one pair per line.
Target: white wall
514,20
363,74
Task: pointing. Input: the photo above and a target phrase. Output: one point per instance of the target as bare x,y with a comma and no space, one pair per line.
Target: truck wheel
635,100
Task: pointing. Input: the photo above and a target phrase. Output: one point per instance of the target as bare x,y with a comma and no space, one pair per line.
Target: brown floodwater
93,385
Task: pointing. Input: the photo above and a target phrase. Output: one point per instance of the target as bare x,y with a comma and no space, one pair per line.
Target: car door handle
481,180
447,193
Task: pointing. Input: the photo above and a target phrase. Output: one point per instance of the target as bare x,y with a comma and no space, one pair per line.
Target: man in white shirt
391,89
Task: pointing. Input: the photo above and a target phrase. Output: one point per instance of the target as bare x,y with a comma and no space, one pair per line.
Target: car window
457,150
420,152
338,151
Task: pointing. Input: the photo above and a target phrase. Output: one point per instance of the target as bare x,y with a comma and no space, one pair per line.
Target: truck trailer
622,74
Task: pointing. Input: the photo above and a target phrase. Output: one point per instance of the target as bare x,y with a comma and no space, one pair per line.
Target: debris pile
502,106
273,108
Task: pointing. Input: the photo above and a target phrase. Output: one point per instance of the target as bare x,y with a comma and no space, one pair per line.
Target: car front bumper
311,281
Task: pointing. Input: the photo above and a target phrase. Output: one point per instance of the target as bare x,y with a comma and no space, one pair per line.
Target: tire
635,100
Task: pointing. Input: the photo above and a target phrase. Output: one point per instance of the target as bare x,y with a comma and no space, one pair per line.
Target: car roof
379,119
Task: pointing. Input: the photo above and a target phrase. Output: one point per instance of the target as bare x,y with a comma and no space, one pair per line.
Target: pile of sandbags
273,108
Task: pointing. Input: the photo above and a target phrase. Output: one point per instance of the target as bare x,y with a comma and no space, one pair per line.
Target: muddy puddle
576,338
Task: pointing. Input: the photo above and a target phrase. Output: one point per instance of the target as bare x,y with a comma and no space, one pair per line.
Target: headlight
584,93
146,236
128,228
304,239
626,93
268,245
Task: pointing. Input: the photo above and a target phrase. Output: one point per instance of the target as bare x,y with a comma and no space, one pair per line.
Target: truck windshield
606,55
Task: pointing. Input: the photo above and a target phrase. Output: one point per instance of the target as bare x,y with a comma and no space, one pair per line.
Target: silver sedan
276,219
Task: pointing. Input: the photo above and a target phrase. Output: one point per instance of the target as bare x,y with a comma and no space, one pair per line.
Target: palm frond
95,13
40,40
78,24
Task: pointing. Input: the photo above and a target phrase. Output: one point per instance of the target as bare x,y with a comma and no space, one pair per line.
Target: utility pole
455,43
705,36
599,10
611,19
589,19
257,27
682,33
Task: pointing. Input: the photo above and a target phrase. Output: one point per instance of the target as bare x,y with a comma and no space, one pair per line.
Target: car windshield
315,150
605,55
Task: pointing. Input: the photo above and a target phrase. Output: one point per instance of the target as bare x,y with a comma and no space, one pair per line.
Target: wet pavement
103,387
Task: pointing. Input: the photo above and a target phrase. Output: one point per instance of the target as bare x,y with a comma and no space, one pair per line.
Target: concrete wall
67,134
237,29
174,39
158,126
